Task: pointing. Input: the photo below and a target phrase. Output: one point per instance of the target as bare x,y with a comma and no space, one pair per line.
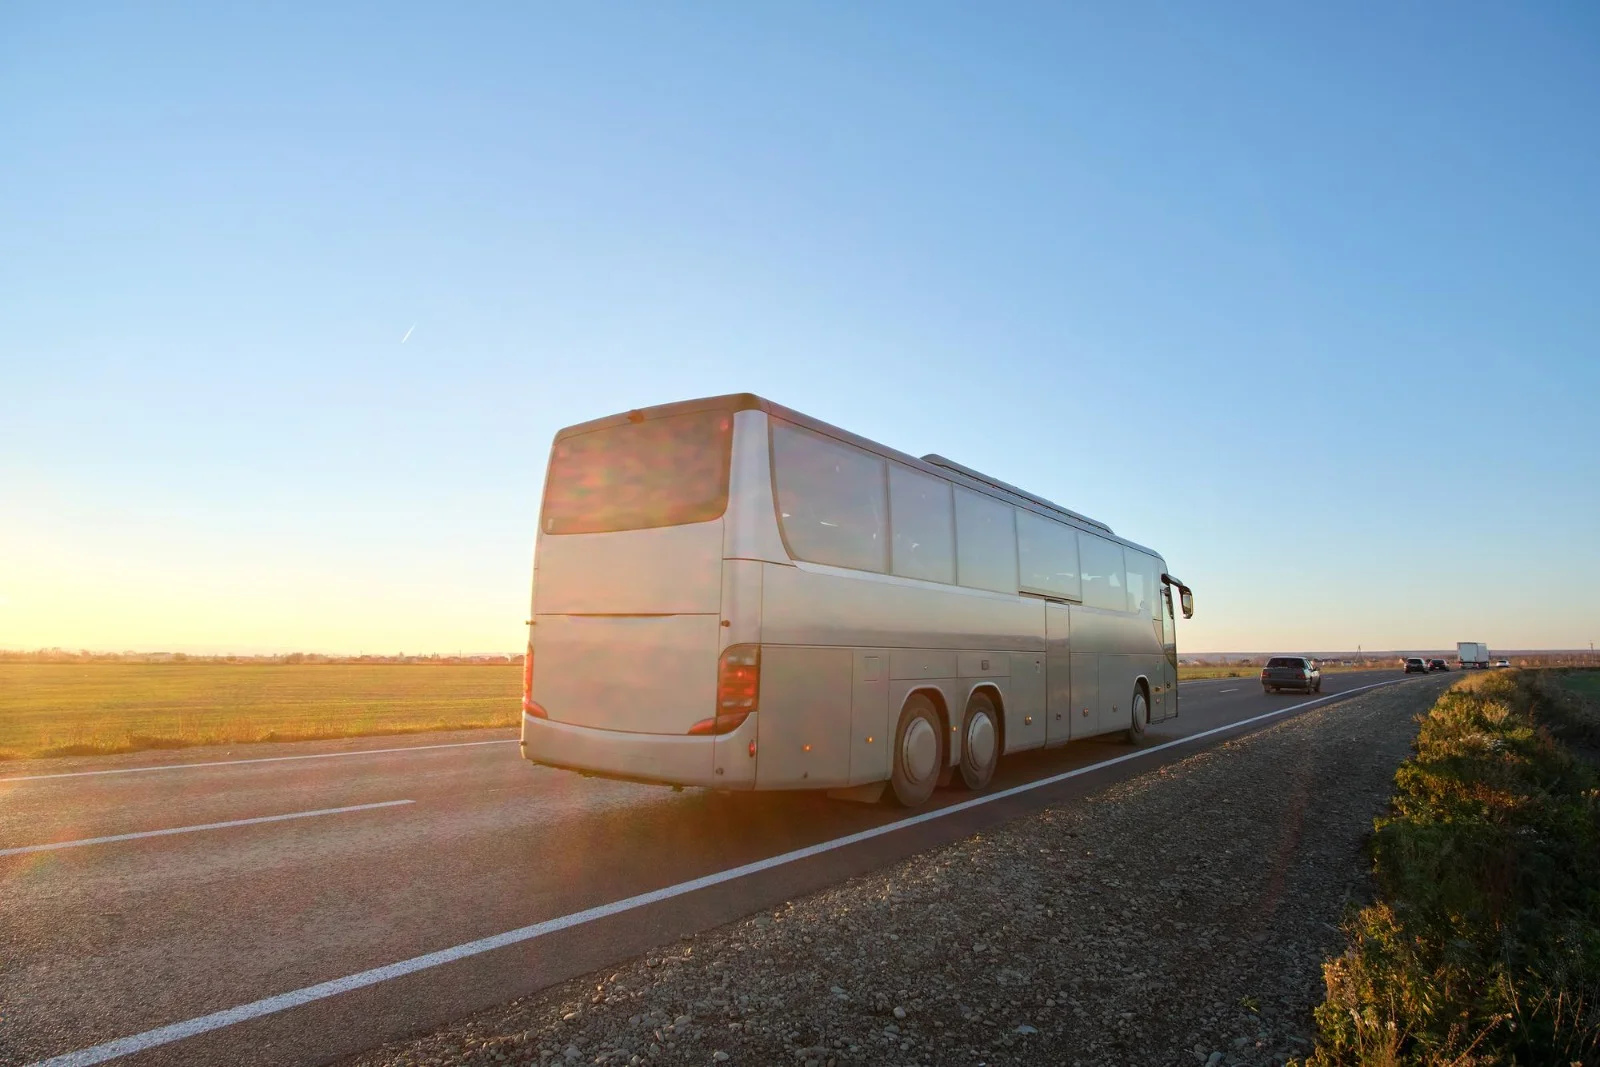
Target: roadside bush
1484,945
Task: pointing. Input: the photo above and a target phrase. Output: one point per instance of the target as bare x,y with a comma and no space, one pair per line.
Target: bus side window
986,542
922,516
1143,597
832,499
1104,579
1138,597
1048,553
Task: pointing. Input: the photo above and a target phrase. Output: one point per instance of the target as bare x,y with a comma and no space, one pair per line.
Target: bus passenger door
1058,674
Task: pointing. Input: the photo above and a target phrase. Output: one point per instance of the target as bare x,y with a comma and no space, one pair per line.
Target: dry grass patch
1484,945
73,709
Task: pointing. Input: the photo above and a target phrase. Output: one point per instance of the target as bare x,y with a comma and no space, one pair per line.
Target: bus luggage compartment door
803,739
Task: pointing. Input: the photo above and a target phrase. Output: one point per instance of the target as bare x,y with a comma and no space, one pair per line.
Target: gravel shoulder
1180,917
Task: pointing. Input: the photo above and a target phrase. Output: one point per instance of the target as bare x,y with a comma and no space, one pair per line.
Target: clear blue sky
1306,300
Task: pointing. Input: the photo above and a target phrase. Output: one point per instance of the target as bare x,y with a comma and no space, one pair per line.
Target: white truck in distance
1473,654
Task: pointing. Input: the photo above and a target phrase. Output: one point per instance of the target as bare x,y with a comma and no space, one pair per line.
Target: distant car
1291,672
1415,665
1502,663
1438,665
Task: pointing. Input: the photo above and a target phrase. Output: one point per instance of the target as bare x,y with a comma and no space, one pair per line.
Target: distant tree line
62,655
1562,658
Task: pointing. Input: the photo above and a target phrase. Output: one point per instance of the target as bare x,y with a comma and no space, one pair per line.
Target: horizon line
262,654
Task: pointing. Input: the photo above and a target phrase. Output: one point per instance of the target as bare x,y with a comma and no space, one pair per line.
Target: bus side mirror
1188,603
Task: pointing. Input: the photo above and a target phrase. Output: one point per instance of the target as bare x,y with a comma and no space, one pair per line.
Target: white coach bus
733,595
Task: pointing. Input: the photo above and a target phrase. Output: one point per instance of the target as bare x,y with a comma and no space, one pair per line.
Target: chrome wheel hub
919,750
980,741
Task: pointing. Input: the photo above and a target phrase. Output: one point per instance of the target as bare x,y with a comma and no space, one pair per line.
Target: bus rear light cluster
528,706
738,689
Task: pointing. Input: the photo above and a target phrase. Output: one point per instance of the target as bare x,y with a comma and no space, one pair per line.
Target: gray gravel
1177,918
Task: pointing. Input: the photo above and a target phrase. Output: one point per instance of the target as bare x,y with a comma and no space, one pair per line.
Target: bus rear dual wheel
919,752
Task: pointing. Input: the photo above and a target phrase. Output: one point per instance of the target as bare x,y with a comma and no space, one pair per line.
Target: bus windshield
635,476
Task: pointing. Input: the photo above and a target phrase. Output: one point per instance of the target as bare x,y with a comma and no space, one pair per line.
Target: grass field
71,709
1585,683
81,709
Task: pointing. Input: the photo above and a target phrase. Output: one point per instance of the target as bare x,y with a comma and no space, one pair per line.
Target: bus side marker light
806,748
752,749
869,740
1027,720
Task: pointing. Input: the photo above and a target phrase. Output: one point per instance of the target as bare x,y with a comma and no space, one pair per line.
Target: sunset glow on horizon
1308,309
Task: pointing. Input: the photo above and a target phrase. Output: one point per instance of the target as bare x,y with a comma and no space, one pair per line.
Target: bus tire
980,741
918,752
1139,716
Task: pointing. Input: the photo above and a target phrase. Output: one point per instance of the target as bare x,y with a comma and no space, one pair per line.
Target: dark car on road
1291,672
1415,665
1438,665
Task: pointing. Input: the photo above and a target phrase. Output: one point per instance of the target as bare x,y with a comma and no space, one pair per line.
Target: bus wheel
1140,718
917,750
980,742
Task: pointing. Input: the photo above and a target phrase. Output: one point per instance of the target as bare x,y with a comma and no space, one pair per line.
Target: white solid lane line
261,759
202,826
165,1035
1227,691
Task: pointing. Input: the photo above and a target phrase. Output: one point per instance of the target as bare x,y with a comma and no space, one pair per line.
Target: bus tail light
738,688
528,706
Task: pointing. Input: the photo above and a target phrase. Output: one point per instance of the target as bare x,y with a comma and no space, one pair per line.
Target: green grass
1585,683
1186,674
1484,944
70,709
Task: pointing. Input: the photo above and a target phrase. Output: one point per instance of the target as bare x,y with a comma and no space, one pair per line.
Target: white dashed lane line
261,759
81,842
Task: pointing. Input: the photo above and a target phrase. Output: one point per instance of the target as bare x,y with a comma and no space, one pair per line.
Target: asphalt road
434,844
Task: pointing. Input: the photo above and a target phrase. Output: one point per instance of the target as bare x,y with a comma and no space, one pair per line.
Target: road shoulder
1181,916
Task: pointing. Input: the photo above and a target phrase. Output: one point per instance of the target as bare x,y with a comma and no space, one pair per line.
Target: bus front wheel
1139,720
918,752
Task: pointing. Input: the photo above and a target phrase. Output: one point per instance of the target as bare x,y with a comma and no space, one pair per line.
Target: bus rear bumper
722,762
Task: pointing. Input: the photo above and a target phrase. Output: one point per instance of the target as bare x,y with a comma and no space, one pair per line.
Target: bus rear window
663,472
